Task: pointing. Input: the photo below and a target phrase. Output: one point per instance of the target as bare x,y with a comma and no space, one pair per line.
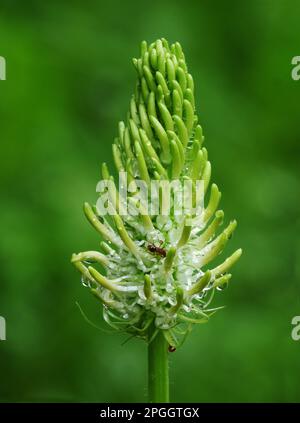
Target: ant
157,250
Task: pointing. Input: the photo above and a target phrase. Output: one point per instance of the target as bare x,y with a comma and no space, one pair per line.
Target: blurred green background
69,81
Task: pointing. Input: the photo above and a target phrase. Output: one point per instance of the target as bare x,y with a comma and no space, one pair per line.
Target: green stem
158,370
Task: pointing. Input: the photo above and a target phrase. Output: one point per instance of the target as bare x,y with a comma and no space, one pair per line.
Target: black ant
157,250
171,348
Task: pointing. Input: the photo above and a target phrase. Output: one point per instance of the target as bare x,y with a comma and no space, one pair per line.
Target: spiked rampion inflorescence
154,270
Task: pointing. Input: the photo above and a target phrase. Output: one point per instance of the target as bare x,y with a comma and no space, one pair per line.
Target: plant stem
158,370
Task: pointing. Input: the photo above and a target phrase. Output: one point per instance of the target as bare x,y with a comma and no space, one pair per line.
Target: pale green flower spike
154,273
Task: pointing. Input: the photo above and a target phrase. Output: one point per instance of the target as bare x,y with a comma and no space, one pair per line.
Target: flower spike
155,269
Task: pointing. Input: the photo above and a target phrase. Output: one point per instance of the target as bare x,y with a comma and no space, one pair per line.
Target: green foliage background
69,81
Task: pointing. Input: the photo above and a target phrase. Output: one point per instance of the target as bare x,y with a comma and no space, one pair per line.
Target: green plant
152,274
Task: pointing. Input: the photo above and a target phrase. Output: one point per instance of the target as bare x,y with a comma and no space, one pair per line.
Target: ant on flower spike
157,250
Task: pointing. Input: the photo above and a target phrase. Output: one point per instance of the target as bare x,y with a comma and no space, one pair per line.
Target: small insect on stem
171,348
157,250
